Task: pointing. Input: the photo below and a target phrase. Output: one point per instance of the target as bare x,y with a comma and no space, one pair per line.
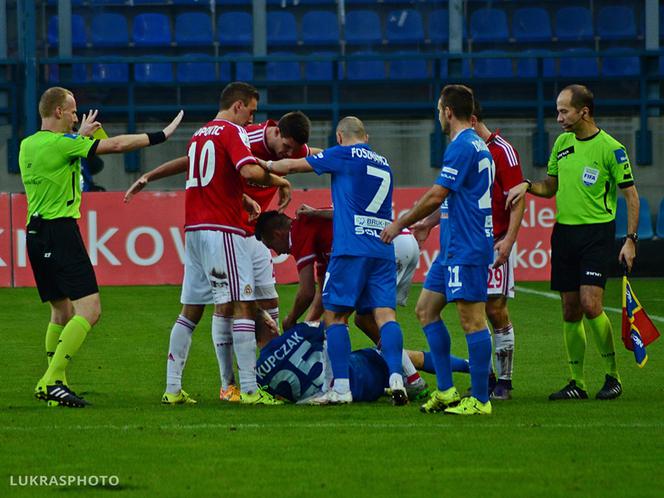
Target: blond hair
51,99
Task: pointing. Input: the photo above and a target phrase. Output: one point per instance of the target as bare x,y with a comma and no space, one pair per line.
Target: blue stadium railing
443,68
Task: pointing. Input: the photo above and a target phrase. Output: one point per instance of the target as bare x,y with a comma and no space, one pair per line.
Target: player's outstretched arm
286,166
307,210
304,297
422,228
164,170
127,143
544,188
426,205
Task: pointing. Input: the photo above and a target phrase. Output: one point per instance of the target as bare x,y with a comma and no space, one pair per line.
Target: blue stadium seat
365,69
151,30
110,73
575,67
531,24
616,22
527,68
79,73
489,25
660,220
404,69
193,29
645,230
320,27
79,37
491,67
196,72
153,72
574,24
404,27
283,70
620,65
363,28
439,26
281,29
621,218
319,70
244,70
109,30
235,29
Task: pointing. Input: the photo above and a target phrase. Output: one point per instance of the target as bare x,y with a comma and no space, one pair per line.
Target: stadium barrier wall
142,243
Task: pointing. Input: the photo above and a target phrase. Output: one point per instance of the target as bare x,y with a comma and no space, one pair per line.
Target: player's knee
591,308
498,316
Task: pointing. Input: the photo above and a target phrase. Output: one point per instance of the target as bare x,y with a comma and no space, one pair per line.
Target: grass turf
528,447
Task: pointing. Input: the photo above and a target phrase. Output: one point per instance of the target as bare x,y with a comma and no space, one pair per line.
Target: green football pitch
528,447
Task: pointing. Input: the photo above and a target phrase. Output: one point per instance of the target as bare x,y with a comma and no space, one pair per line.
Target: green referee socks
71,338
575,343
602,333
52,337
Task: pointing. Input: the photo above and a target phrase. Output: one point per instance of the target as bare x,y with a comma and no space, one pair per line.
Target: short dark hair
459,98
268,222
51,99
477,110
581,97
238,90
295,125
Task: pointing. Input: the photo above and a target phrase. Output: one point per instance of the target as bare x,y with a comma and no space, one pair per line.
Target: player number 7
383,190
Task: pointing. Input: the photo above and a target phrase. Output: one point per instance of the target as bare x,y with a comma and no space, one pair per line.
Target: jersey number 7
383,189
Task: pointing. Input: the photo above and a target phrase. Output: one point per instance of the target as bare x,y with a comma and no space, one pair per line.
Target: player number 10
206,164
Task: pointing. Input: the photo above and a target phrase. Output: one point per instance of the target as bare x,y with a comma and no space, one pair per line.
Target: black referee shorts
581,255
60,263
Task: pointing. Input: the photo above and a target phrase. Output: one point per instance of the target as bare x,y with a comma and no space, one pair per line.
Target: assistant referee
585,166
50,169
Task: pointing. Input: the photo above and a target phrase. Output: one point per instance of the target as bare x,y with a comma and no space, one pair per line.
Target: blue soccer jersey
466,226
362,197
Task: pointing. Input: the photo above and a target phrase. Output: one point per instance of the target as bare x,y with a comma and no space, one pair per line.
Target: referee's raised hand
168,131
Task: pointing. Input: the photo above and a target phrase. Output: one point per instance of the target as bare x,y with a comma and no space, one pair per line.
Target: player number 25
206,164
383,190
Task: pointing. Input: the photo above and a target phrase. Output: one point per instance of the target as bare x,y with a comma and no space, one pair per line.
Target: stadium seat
244,71
620,65
193,29
488,25
110,73
527,68
574,67
283,70
153,72
79,73
319,70
660,220
439,26
404,27
621,218
79,38
235,29
109,30
365,69
404,69
363,28
616,22
531,24
645,230
320,27
574,24
196,72
281,29
151,30
492,67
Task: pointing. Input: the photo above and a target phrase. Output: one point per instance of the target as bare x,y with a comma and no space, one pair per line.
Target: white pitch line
552,295
227,426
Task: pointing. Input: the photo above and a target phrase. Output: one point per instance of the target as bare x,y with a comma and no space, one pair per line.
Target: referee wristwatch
634,236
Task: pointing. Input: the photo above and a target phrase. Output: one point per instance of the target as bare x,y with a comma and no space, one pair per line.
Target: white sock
178,350
274,313
504,344
222,338
407,365
396,381
244,345
342,386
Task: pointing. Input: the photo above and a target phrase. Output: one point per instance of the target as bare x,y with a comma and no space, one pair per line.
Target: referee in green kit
50,169
585,167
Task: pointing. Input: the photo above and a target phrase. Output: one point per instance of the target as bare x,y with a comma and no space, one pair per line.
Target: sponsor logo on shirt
319,155
590,176
565,152
369,225
452,171
621,156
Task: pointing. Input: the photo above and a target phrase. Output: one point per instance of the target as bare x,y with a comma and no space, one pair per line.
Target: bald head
352,129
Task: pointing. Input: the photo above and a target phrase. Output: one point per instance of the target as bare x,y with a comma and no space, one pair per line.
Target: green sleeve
620,167
72,145
552,167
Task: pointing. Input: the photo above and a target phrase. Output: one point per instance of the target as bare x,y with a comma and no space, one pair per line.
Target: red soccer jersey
261,194
311,242
508,174
213,198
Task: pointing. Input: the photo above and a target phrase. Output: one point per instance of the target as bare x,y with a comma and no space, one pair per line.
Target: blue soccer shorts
458,282
360,283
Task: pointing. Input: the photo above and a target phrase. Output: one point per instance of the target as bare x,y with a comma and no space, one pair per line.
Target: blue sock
391,341
439,342
338,349
458,364
479,358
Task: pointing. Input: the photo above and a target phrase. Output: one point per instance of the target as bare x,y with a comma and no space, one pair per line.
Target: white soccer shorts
501,279
217,268
407,254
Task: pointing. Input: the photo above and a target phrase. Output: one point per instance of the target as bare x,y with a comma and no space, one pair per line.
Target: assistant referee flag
637,329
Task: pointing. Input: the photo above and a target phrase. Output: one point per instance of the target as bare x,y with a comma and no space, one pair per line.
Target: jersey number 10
206,165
